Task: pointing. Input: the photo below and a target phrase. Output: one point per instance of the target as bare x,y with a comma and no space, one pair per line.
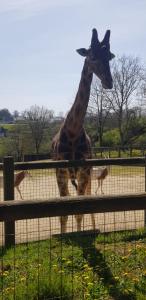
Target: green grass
8,126
78,266
127,171
123,154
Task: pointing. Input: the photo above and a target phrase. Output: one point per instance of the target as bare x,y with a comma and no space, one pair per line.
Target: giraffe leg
62,180
88,192
63,223
82,177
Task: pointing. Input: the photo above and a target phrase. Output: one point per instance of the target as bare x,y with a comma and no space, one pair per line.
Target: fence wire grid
42,184
105,263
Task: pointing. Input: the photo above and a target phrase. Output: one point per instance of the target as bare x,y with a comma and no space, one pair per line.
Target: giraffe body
72,141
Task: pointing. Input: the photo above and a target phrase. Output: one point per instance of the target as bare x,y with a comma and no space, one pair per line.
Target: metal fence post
8,175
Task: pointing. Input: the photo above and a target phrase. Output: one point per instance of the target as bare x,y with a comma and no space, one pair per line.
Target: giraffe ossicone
72,141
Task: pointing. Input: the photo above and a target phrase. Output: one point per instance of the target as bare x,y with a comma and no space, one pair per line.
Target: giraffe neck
75,118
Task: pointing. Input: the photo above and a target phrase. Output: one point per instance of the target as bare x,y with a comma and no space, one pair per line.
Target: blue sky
38,39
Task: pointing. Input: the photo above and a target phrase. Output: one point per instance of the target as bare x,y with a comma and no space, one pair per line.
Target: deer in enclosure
101,174
18,178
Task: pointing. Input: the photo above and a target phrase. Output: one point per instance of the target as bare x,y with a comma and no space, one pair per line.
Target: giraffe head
98,57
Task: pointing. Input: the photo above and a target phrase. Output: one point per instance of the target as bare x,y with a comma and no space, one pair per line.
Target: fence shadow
96,260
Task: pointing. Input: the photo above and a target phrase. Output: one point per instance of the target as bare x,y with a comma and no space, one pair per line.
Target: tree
5,116
17,142
38,119
141,97
99,108
15,115
135,127
128,75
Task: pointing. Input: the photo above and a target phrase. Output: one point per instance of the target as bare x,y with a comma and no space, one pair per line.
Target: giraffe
72,142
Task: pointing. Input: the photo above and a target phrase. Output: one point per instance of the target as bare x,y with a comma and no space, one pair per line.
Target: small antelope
101,174
18,177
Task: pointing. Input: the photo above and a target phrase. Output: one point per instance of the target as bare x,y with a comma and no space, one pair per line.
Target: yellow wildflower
86,266
5,273
23,279
69,262
63,259
90,283
125,274
86,277
124,257
135,279
7,289
144,272
61,271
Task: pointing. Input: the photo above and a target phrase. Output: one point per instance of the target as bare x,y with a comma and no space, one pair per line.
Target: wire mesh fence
42,184
107,262
83,265
42,181
120,180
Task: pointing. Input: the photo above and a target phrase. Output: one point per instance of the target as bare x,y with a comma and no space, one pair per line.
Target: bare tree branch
99,107
38,119
127,74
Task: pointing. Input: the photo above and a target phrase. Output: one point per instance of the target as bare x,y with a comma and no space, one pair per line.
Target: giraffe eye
94,57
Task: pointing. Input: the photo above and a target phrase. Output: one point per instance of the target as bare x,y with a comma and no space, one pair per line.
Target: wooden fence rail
138,161
31,209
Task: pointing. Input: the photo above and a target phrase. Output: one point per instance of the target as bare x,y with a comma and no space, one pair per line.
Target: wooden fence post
130,151
119,152
8,173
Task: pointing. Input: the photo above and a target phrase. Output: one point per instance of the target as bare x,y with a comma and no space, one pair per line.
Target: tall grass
77,266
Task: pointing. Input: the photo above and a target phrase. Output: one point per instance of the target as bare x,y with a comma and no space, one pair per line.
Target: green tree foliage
17,142
5,116
111,138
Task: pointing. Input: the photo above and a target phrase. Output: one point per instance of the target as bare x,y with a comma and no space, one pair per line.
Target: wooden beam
138,161
30,209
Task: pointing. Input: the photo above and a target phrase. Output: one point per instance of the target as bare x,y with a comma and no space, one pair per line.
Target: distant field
8,126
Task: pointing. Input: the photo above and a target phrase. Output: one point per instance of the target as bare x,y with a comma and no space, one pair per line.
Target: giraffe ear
106,38
111,56
82,51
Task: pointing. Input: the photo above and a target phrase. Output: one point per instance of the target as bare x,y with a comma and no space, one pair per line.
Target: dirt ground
43,186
